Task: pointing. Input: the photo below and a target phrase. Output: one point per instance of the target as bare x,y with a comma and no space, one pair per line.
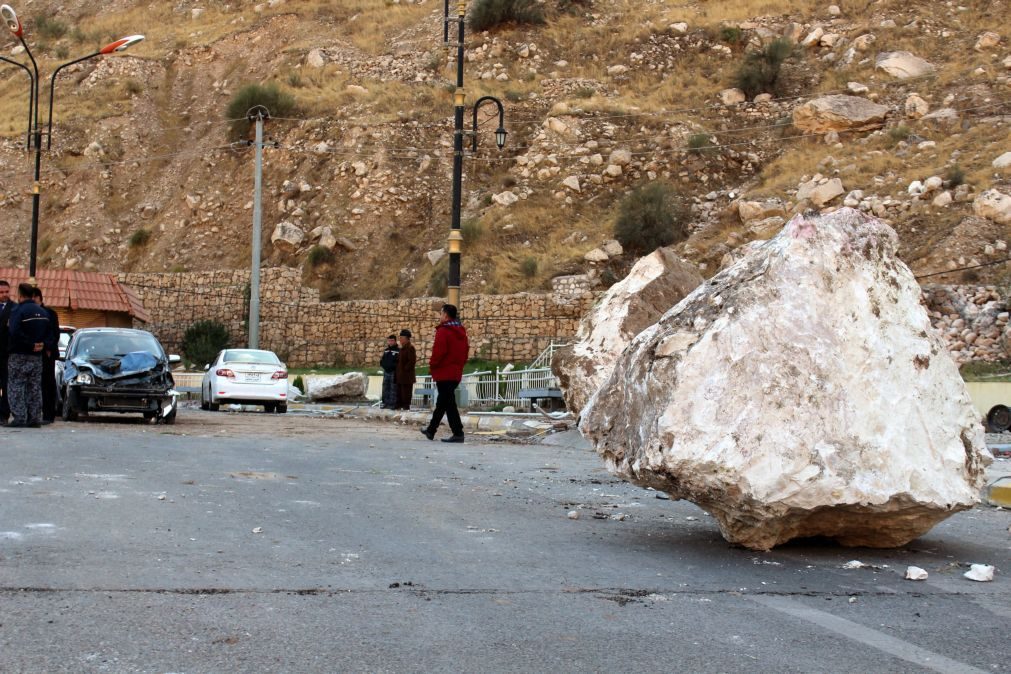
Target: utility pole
257,114
460,100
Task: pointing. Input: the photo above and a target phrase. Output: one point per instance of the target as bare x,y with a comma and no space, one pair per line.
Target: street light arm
52,90
31,96
35,66
501,115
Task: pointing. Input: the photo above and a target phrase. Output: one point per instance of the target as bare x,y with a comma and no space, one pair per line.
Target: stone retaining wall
307,332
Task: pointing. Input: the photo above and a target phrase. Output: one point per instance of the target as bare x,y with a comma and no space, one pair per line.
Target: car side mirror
174,359
206,368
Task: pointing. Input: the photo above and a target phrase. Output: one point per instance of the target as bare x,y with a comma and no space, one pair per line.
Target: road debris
573,514
257,530
982,573
915,573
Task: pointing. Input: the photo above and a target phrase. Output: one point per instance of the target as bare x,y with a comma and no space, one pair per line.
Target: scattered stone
943,199
335,387
287,237
993,205
316,58
573,515
839,113
620,157
915,573
987,40
857,88
257,530
748,211
356,90
617,70
327,239
612,248
596,255
436,256
903,65
916,107
779,476
572,182
680,27
506,198
361,168
656,282
613,171
732,96
981,573
1002,162
346,244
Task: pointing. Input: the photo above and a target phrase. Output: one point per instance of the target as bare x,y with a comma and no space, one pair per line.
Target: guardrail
489,389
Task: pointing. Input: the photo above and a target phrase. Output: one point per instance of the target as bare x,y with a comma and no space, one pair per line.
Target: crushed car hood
128,366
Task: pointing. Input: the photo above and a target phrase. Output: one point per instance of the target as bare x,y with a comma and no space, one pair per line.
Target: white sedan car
245,377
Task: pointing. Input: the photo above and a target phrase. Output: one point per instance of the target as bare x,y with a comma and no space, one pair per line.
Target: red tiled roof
81,290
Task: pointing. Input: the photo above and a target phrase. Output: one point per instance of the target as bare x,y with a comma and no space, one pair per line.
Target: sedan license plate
252,376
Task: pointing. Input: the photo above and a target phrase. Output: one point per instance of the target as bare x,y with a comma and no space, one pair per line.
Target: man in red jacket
449,355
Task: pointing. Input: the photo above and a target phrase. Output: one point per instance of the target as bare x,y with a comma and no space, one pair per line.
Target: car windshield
250,356
64,339
101,345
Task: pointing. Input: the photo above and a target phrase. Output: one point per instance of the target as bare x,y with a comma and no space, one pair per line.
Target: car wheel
204,405
999,418
68,413
270,408
282,408
213,406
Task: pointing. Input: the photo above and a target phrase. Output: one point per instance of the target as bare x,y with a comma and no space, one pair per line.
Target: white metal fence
490,389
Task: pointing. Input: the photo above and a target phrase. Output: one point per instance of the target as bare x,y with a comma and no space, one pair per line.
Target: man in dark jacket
389,364
406,361
449,355
6,305
28,326
49,355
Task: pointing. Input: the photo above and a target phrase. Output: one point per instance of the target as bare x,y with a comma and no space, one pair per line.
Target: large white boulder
839,113
335,387
656,283
903,64
993,205
800,392
287,236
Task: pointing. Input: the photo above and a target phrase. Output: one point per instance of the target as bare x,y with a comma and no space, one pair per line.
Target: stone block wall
307,332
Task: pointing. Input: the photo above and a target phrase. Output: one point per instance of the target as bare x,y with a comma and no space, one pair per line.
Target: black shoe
453,438
17,424
428,434
35,424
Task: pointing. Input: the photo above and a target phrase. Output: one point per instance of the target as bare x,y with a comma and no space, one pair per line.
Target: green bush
319,255
51,28
760,71
899,133
299,383
651,217
270,96
732,35
471,231
954,176
133,87
203,340
487,14
529,267
701,144
140,238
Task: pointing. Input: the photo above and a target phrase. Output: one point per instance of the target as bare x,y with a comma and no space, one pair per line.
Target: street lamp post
10,17
460,100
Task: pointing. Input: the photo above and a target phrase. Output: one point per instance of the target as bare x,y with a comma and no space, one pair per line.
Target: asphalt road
253,543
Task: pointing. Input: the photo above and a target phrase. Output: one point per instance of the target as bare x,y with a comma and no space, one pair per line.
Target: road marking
883,642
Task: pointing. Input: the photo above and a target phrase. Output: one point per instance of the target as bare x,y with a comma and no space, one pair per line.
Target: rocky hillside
892,107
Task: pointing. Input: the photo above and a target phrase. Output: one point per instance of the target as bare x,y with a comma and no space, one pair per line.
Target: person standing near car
29,327
449,355
389,364
6,305
50,353
405,371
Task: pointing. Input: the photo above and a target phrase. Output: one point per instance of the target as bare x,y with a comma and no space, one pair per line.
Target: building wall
90,318
307,332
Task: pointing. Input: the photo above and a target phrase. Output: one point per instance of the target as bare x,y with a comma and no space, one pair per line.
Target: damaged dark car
118,370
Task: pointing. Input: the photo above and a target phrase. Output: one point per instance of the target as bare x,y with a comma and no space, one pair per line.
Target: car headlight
84,378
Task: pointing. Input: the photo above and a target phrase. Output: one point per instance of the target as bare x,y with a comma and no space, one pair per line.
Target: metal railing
544,360
489,389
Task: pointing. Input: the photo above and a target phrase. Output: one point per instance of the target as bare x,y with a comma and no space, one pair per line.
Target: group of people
29,347
449,355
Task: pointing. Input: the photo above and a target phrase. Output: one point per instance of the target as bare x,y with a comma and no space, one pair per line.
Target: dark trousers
25,382
48,388
445,405
5,407
405,391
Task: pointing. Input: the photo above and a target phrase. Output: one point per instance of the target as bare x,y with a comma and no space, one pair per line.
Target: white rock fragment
982,573
1002,162
657,282
854,564
898,446
915,573
257,530
573,515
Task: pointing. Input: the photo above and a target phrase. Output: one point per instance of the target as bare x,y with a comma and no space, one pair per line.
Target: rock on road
252,542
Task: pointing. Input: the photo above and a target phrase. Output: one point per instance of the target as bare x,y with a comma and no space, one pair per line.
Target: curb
515,424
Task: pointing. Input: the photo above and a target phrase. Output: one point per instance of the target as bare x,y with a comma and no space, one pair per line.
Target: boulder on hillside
656,283
839,113
335,387
903,64
800,392
759,210
820,192
287,237
993,205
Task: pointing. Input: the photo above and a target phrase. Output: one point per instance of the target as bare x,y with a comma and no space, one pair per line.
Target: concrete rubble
324,388
656,282
800,392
